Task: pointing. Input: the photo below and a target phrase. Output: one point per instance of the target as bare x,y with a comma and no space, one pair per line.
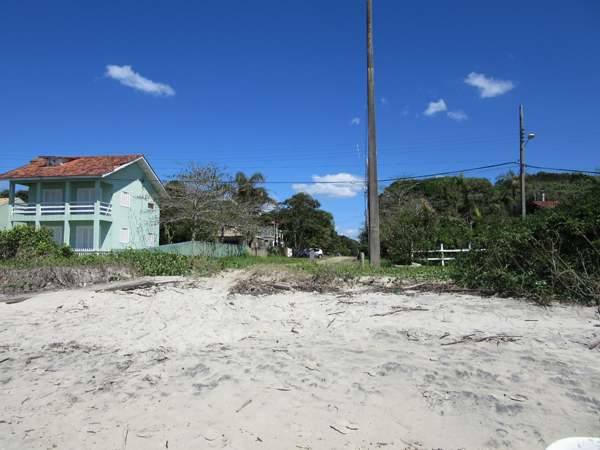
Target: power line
448,173
563,170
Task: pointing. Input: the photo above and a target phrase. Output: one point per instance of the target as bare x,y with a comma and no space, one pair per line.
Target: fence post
362,260
442,250
312,256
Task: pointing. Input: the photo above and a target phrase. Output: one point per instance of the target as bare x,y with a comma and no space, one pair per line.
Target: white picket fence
443,250
88,251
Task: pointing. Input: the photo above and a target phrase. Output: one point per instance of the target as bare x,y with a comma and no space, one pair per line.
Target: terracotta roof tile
72,166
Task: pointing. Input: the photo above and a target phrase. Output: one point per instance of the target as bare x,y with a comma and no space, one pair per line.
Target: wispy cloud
488,87
435,107
355,121
384,101
341,185
129,78
458,115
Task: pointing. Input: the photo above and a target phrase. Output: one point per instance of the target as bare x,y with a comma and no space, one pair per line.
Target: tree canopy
202,200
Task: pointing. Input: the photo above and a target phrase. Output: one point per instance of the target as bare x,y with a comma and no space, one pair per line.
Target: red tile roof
73,166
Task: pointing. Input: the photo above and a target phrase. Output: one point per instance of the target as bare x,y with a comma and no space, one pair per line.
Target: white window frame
124,235
125,199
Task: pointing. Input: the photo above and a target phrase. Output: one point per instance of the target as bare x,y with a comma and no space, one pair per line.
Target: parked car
306,253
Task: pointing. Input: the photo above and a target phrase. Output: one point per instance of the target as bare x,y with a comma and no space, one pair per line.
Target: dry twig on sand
394,311
246,403
499,337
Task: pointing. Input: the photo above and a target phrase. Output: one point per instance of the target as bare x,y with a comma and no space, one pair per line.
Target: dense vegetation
554,252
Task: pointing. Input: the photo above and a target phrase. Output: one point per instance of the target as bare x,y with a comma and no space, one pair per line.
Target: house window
150,240
125,199
151,206
124,236
56,234
85,195
84,237
51,196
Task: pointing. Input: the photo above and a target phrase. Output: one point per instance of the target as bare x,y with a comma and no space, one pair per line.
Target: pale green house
89,202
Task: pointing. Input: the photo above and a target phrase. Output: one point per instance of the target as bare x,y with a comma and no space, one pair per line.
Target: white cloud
458,115
341,185
350,232
129,78
488,87
384,101
435,107
355,121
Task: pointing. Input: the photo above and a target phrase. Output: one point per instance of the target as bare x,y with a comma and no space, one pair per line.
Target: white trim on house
148,171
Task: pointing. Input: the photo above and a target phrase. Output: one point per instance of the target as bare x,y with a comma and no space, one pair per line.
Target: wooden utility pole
372,190
523,210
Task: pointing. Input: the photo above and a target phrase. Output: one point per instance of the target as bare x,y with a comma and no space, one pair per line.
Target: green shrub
26,242
554,252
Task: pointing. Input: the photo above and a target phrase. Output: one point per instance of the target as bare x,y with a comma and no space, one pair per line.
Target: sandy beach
188,365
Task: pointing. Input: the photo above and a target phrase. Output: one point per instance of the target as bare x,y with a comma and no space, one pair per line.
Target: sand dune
188,365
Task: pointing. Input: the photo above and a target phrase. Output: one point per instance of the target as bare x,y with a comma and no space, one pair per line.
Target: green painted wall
137,217
5,214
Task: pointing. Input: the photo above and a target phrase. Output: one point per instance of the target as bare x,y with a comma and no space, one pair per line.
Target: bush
152,264
554,252
27,242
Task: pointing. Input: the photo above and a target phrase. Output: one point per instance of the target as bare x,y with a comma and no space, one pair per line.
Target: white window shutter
124,236
125,199
150,240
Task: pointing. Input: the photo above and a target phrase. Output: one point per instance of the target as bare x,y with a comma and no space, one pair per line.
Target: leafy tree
304,224
22,194
202,200
344,245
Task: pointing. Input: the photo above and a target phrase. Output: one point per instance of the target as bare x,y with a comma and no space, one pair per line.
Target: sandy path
190,367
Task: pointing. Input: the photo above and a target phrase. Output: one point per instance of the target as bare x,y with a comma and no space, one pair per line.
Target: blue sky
280,87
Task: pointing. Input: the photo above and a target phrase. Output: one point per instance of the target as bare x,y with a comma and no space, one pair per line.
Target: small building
89,202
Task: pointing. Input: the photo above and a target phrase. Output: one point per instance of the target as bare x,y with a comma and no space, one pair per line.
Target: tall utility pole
523,211
373,196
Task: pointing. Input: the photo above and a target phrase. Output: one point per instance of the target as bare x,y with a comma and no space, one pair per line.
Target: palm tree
246,190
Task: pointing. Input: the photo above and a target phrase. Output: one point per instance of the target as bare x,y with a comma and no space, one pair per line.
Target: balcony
60,208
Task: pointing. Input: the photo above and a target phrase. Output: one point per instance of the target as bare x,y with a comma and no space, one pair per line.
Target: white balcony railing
24,209
54,208
50,208
81,208
105,209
